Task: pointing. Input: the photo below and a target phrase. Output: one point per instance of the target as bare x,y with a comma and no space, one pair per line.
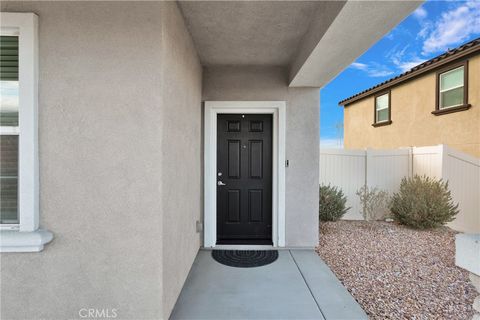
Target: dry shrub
423,202
332,203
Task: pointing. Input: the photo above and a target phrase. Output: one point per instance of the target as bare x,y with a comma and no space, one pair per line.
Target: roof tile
449,53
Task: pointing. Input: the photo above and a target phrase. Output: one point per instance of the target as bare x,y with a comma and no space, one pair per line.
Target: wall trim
212,109
15,241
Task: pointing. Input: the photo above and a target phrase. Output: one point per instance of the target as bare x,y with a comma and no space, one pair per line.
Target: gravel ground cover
398,273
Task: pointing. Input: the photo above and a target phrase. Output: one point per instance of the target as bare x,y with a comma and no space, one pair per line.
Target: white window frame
278,111
26,235
440,91
14,131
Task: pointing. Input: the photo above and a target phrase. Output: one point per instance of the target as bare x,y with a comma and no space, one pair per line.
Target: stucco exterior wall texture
116,83
231,83
181,155
413,124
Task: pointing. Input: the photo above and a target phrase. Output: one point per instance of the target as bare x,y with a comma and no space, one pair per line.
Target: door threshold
241,247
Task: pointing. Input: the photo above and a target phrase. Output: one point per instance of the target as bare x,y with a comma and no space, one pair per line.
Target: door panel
233,159
233,206
255,199
256,159
244,178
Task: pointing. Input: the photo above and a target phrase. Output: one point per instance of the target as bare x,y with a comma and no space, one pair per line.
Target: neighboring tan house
436,102
133,118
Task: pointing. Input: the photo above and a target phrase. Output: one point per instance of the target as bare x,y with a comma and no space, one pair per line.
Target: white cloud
425,29
359,66
422,34
397,55
420,13
403,60
335,143
409,64
380,73
373,69
453,27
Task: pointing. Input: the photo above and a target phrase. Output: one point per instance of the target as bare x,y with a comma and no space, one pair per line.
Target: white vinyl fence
352,169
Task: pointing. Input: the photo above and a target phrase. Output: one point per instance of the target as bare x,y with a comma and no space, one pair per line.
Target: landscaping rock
398,273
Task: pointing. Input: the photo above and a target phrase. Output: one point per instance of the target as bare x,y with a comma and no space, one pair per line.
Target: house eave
354,30
410,76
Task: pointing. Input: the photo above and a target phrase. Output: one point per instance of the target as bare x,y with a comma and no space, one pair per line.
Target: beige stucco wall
302,137
413,123
119,119
181,149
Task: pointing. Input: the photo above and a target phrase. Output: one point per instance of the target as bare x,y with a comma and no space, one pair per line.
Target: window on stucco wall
382,108
19,181
452,89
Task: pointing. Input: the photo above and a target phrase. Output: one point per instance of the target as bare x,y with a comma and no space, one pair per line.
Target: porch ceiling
314,40
251,32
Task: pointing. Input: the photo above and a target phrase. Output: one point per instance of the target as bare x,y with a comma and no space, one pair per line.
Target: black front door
244,179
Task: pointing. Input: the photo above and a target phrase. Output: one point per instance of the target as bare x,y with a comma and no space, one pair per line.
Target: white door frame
278,110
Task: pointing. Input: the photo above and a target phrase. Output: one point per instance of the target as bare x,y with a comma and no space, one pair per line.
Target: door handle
220,183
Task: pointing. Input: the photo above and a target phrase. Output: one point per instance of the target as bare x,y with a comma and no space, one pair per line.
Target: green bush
423,202
332,203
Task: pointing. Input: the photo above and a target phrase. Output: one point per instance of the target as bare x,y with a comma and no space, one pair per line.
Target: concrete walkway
297,286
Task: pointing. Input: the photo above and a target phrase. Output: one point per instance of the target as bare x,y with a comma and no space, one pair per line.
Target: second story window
452,91
382,109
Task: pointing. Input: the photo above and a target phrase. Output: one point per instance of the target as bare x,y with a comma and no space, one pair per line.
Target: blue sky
430,30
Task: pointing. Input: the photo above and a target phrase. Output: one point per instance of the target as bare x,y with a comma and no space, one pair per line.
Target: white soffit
358,26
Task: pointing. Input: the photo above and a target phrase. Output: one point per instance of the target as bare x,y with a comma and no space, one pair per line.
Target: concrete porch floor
297,286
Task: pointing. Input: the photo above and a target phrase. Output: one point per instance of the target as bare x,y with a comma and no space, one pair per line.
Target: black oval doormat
245,258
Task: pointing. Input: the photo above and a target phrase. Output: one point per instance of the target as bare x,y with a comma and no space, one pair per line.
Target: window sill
17,241
381,124
452,109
